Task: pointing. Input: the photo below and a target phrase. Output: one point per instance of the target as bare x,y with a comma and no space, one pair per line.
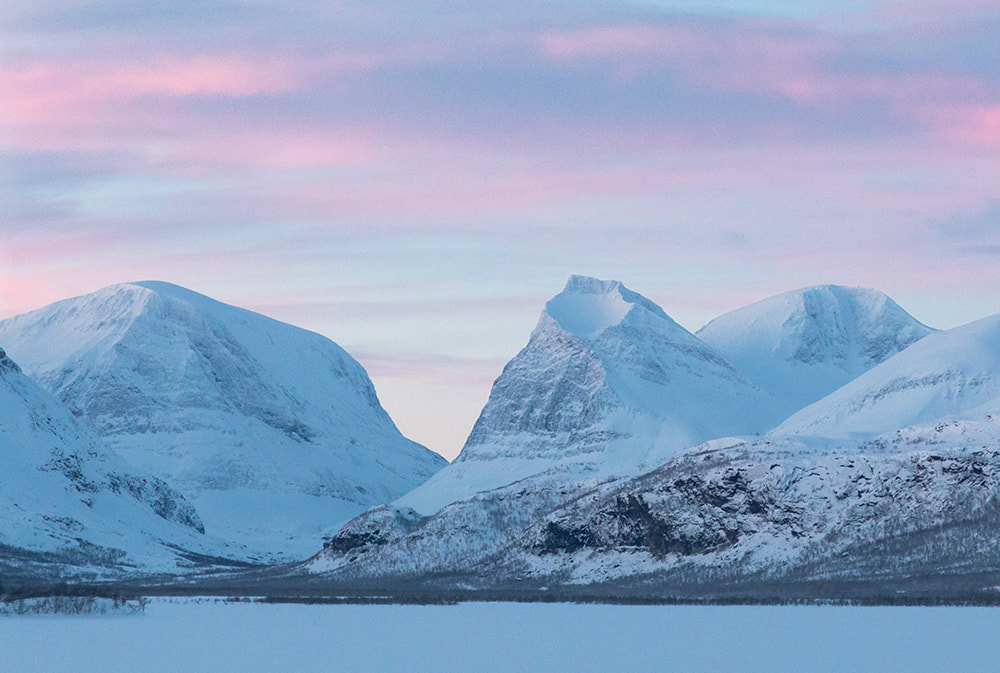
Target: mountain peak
803,344
590,285
145,294
588,306
607,381
853,326
863,298
165,289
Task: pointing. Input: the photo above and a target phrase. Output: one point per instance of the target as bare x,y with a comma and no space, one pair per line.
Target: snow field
486,637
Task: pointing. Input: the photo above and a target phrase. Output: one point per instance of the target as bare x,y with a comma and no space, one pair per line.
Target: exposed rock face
782,508
897,508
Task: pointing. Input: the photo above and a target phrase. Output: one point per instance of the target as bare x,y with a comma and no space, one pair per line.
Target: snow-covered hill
918,502
273,432
953,374
804,344
70,506
607,383
916,508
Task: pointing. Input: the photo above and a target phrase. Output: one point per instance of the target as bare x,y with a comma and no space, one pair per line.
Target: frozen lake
218,637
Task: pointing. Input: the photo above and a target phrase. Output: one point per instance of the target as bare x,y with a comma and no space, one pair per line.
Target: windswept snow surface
804,344
607,383
951,375
274,433
69,505
506,638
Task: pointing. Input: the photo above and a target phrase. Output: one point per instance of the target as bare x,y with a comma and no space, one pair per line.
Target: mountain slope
70,506
915,506
804,344
909,515
953,374
274,432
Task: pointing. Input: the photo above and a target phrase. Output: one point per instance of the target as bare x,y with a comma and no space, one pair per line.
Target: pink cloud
198,76
286,148
88,102
91,105
110,105
42,247
975,125
39,87
443,184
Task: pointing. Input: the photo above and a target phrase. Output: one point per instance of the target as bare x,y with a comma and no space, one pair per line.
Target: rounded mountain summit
273,432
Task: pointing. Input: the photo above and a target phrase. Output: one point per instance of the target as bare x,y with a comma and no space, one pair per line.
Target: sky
415,180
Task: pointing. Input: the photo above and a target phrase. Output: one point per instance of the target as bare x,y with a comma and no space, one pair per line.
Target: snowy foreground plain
213,636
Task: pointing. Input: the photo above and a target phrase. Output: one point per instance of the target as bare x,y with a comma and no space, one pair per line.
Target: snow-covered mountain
953,374
273,432
70,506
555,486
607,383
802,345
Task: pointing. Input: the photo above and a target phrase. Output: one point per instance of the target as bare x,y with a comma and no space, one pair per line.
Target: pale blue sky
414,181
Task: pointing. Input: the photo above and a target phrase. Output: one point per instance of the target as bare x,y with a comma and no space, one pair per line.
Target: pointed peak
588,306
590,285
